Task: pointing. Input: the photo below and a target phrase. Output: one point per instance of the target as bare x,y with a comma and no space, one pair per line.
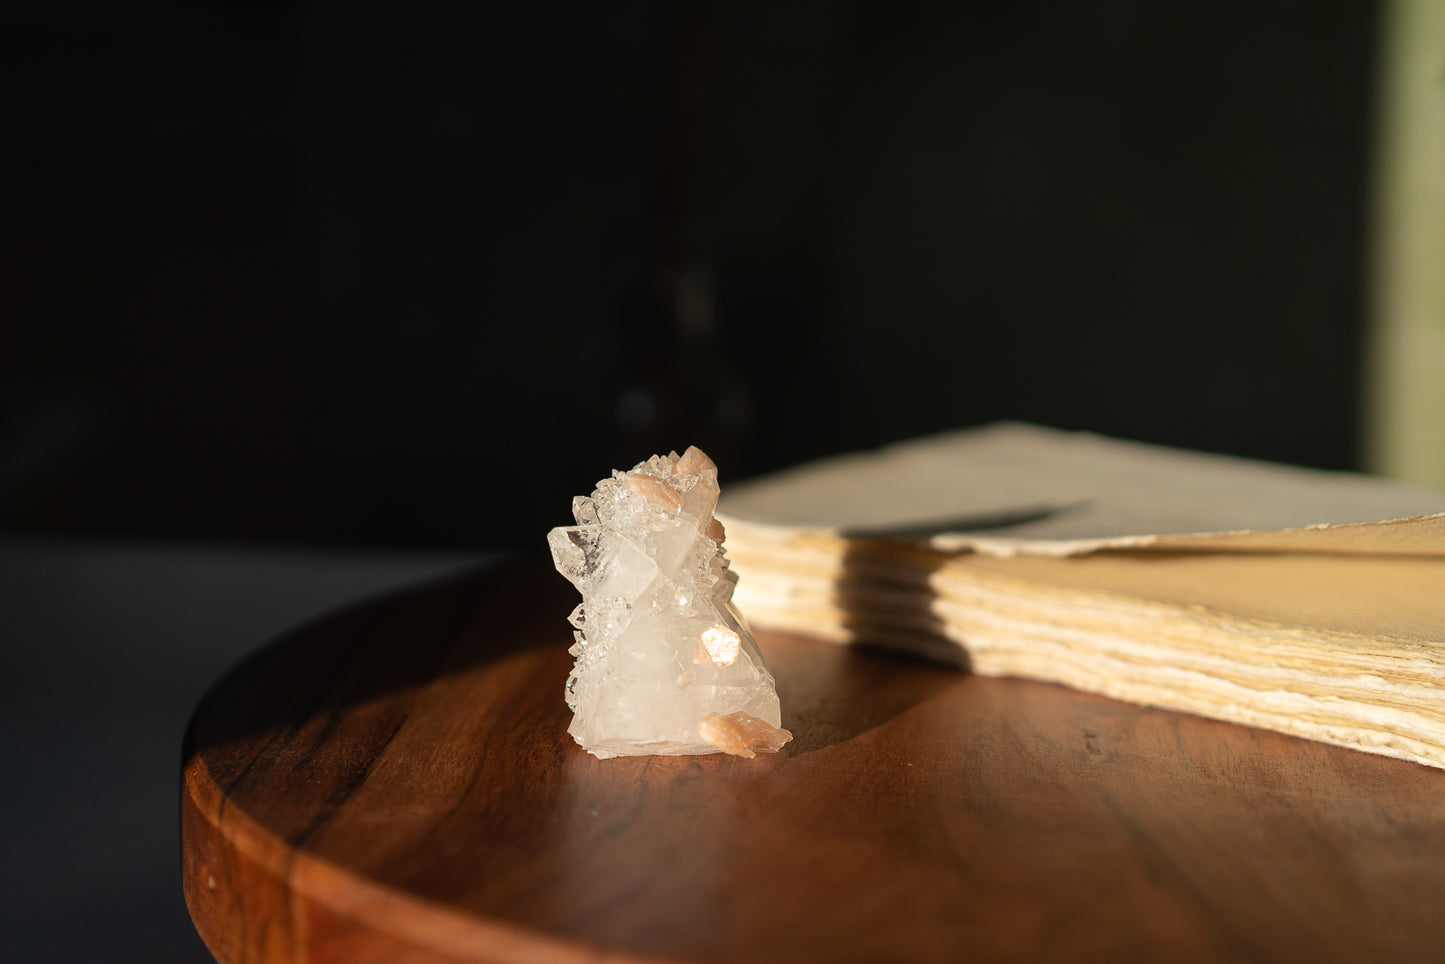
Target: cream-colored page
1011,488
1267,542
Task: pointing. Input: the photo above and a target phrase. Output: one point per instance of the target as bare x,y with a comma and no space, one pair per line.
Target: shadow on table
888,606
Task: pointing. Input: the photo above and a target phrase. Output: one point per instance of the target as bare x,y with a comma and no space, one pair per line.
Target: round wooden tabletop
396,784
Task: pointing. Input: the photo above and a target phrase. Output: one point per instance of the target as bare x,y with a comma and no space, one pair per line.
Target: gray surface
106,650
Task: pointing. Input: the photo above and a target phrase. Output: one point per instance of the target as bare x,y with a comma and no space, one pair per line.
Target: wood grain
396,784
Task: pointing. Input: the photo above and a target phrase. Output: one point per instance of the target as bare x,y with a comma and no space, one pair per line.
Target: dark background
303,300
414,274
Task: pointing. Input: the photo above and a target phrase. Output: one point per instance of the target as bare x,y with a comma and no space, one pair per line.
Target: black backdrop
416,273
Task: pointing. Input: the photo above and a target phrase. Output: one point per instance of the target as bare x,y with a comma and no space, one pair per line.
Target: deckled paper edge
1314,538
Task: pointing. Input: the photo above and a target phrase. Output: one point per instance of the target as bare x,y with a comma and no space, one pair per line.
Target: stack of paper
1248,592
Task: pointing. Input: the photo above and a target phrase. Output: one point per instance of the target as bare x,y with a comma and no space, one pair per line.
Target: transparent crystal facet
660,645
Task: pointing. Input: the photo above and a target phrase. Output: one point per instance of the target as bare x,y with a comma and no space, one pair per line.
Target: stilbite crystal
660,646
741,734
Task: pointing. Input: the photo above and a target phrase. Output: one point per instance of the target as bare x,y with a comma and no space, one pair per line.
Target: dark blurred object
416,275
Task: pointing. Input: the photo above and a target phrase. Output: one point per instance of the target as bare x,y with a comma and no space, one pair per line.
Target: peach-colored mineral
742,735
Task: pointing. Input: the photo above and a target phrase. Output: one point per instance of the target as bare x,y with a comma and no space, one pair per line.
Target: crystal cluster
665,662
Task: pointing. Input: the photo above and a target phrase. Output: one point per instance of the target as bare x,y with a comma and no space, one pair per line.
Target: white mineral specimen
660,645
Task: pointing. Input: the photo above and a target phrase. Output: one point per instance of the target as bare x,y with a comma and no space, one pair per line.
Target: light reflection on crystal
660,644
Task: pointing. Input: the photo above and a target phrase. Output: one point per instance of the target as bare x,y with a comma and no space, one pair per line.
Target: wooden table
396,784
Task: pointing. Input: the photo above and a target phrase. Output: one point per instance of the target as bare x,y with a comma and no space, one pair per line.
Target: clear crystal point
661,647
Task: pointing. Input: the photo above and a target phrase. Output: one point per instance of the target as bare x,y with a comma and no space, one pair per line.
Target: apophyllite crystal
665,662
